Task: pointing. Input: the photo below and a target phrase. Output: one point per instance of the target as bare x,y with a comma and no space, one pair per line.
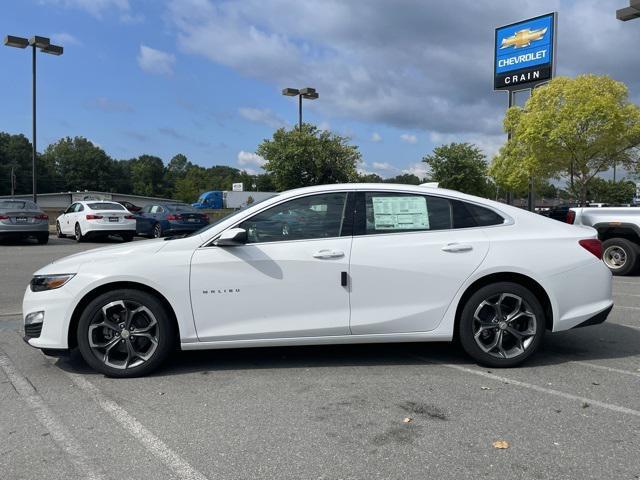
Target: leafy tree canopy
299,158
459,166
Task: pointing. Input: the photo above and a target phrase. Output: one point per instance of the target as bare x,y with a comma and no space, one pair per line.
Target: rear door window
467,215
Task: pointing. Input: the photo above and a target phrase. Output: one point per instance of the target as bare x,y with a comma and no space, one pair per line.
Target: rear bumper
580,295
596,319
24,229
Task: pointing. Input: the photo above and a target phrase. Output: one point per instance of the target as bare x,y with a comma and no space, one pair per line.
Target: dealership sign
524,53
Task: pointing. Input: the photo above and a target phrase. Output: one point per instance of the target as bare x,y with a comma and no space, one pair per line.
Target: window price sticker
400,213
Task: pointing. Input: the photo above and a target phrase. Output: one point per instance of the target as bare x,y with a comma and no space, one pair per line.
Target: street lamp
630,12
45,46
308,93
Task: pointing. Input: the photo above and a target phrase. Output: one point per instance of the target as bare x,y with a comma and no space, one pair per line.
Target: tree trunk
583,194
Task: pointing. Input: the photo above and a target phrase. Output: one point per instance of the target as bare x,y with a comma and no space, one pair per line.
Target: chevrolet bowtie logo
523,38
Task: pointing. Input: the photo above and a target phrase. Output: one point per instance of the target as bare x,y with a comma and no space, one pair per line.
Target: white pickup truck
618,229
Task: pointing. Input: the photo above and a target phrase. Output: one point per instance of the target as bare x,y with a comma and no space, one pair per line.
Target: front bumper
57,306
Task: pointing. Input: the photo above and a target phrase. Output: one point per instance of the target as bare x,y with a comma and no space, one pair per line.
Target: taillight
571,216
129,217
94,217
42,217
592,245
4,217
173,217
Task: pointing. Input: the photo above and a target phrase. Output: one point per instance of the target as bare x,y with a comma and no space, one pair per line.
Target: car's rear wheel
125,333
43,238
157,230
59,231
78,233
620,255
502,324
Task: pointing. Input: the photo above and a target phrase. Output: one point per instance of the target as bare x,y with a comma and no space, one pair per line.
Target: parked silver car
23,219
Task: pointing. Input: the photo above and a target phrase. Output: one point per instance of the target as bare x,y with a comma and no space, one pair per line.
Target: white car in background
353,263
96,218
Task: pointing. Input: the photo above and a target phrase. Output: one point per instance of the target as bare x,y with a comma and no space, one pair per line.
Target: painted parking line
182,469
624,307
605,368
537,388
11,314
59,433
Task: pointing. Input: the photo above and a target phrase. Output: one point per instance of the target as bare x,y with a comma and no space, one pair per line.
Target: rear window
181,207
105,206
18,205
467,215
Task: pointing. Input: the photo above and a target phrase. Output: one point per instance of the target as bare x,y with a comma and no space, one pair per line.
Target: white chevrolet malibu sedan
96,218
355,263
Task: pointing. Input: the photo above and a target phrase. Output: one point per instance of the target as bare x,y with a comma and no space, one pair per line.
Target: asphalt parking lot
572,412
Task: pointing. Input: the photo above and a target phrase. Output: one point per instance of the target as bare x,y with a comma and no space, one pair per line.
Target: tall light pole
630,12
45,46
308,93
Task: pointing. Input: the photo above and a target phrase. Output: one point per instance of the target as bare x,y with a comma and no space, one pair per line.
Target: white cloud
109,105
65,39
263,116
383,166
249,158
407,137
420,170
324,126
375,137
155,61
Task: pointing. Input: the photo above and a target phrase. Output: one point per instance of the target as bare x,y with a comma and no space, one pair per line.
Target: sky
204,77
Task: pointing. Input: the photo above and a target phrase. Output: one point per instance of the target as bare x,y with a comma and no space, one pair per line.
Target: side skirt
332,340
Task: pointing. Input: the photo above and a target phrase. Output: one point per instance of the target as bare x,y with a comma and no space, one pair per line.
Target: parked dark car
560,212
23,219
131,207
169,219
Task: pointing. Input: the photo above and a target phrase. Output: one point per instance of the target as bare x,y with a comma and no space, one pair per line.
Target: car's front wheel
125,333
502,324
59,231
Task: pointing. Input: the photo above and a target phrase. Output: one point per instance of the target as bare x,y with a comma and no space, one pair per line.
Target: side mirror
232,237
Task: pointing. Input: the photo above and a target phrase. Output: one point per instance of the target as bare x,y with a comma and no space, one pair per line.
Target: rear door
407,261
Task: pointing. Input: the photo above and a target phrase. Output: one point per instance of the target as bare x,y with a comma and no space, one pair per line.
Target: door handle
328,254
457,247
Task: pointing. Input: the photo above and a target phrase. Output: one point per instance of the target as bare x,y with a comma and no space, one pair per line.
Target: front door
286,281
408,262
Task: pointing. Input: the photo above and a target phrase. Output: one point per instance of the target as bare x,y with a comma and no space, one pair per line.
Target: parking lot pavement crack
548,391
47,418
181,468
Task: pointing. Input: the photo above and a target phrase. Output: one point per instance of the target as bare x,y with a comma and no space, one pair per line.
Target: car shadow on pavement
15,242
603,342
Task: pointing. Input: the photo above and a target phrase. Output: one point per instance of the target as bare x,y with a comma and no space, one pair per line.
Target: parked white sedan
96,218
355,263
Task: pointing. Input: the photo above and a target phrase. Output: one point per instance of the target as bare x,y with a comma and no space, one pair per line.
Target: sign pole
510,104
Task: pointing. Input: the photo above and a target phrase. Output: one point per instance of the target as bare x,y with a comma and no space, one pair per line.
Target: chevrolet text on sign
524,52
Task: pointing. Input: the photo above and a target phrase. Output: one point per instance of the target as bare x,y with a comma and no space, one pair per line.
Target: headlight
40,283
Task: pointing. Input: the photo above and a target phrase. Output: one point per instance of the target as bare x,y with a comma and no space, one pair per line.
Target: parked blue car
169,219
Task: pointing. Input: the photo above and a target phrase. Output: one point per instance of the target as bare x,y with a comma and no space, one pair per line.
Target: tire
479,316
157,231
620,255
78,233
127,237
59,231
112,347
42,238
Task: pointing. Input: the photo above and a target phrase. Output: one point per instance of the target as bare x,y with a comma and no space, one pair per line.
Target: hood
72,263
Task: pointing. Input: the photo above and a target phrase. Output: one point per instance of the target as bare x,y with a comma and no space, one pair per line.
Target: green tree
80,164
369,178
569,127
608,191
459,166
299,158
404,178
15,151
147,175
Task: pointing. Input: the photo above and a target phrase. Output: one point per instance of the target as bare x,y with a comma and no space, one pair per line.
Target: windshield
18,205
105,206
